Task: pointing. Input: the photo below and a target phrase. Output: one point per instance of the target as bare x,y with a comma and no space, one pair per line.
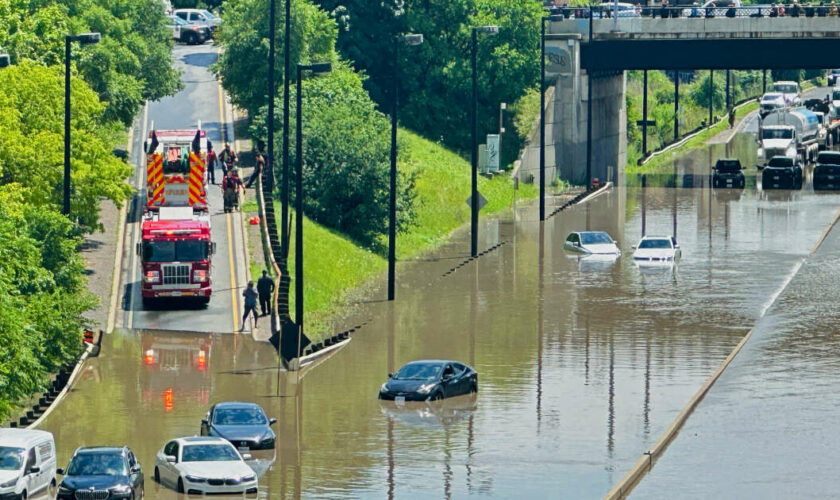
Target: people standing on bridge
258,169
664,9
774,11
265,287
211,163
796,10
822,10
228,158
695,10
832,10
250,305
730,12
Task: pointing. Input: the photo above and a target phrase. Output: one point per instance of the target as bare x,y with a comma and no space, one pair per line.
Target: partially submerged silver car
591,242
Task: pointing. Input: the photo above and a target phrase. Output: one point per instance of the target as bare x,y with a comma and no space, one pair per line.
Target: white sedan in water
202,465
657,250
591,242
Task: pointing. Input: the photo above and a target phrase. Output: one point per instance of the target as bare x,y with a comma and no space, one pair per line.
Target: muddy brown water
582,363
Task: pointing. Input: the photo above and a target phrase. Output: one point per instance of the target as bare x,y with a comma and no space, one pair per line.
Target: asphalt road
200,102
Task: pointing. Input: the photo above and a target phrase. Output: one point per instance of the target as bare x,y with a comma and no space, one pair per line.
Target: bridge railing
623,10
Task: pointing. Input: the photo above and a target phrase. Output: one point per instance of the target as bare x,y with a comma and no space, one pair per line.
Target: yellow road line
233,297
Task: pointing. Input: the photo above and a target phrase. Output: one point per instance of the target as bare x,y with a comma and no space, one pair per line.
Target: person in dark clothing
730,12
265,287
796,10
257,170
211,163
228,158
250,304
822,10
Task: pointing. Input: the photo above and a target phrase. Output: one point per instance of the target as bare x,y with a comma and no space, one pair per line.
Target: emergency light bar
175,231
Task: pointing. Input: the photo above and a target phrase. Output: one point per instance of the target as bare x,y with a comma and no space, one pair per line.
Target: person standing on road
265,287
211,163
257,170
250,305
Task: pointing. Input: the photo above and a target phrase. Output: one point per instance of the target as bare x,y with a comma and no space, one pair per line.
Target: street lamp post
284,186
268,174
542,111
84,39
316,68
410,39
489,30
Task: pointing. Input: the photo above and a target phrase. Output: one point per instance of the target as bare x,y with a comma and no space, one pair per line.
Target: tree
32,145
242,66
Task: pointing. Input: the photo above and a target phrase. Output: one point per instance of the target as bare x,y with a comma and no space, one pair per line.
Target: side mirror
60,472
204,421
212,248
272,421
34,469
390,375
171,459
246,456
135,469
633,247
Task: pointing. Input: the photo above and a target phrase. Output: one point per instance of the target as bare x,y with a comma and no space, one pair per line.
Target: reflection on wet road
582,363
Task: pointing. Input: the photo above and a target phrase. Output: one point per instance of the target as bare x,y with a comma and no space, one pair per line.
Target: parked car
782,172
657,250
727,174
243,424
770,102
102,472
429,380
199,465
199,16
591,242
827,171
189,33
27,463
831,76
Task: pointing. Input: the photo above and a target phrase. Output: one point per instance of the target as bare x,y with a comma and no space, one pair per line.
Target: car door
135,473
573,242
463,383
449,381
33,479
171,472
205,424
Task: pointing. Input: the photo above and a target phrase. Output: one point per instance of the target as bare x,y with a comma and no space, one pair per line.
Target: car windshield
594,238
11,458
177,20
785,88
835,95
771,97
657,243
209,453
728,165
238,416
828,159
782,162
418,371
208,14
777,133
175,251
97,464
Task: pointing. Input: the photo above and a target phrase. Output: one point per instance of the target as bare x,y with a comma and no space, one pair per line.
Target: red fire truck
175,253
175,165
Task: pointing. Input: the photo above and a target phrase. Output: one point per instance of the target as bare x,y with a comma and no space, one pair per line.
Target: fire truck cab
175,254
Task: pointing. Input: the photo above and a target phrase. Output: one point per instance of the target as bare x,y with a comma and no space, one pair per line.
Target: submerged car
657,250
101,472
827,171
727,174
243,424
781,172
591,242
199,465
429,380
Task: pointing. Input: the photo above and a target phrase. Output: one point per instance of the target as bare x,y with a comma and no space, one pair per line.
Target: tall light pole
284,187
410,39
489,30
542,111
83,39
268,174
316,68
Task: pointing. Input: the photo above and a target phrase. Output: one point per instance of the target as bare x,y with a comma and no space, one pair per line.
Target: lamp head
88,38
554,18
487,30
413,39
320,67
4,60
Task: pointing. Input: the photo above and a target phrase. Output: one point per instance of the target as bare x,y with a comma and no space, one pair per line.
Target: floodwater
769,428
582,363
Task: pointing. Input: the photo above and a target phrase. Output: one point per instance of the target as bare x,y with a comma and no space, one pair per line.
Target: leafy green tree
32,146
244,35
701,93
346,158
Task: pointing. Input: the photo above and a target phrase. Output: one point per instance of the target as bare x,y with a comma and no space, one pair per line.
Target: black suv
827,170
728,174
101,472
781,173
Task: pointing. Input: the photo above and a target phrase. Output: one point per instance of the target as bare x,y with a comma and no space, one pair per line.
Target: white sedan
591,242
657,250
204,465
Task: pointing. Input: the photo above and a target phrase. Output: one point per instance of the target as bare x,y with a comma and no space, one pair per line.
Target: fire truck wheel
148,302
204,301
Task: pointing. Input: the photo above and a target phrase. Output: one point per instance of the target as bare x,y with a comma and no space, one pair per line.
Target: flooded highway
582,363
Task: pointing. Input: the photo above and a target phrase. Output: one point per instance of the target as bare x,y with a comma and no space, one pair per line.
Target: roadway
201,101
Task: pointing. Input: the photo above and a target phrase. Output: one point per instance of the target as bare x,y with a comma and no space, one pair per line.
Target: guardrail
623,10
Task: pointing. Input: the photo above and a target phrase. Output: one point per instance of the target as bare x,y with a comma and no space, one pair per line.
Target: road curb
646,462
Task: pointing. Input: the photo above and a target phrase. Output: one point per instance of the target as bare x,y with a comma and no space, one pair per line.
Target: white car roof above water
21,438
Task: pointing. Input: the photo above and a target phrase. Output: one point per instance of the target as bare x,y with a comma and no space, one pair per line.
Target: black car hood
770,168
242,432
396,385
97,482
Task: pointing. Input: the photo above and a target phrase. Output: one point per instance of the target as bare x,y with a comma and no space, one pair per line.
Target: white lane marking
136,226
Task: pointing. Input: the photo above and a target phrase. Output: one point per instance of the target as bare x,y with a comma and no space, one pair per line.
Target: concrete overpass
574,53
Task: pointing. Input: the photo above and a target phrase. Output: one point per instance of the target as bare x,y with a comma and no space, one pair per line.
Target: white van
27,463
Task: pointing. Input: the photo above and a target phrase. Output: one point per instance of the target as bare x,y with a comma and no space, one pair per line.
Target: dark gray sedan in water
429,380
243,424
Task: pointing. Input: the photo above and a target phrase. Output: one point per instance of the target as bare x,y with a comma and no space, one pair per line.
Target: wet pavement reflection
582,362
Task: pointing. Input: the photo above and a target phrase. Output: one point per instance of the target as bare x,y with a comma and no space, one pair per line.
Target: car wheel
52,489
23,495
142,492
436,396
157,475
180,485
474,387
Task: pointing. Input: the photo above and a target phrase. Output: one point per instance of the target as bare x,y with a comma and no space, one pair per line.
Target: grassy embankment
335,266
